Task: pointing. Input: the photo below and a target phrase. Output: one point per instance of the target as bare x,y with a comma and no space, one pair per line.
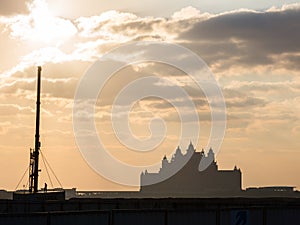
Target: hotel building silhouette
189,179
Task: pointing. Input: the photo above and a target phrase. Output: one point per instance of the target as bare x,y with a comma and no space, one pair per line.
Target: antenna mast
34,153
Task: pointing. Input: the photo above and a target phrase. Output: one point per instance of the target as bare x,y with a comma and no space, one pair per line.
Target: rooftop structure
190,180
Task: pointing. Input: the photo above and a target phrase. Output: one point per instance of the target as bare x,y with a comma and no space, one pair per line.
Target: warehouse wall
243,216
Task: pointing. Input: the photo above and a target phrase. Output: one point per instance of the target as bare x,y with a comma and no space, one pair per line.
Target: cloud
235,39
98,26
240,38
39,24
186,13
293,6
51,56
14,7
253,37
13,109
271,91
247,102
59,88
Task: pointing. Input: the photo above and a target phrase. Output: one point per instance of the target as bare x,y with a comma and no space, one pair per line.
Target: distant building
272,191
5,194
189,180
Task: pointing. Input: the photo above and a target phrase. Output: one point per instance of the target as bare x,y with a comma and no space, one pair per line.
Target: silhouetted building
272,191
189,180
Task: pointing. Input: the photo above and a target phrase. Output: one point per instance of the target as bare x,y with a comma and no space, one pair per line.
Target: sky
251,47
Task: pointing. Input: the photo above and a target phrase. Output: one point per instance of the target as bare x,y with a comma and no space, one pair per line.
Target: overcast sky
251,47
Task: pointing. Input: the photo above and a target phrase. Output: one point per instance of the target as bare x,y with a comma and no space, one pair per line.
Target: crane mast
34,153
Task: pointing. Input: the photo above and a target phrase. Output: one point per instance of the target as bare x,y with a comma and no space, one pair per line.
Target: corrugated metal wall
243,216
192,217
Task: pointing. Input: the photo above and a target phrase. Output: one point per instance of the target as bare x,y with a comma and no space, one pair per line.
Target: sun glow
42,26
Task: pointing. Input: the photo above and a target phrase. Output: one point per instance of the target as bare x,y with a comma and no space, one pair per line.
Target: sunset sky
251,47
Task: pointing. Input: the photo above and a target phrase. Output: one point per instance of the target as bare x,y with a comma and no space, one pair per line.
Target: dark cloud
149,38
247,38
291,62
135,27
58,80
239,99
238,38
278,90
247,102
275,31
160,104
12,7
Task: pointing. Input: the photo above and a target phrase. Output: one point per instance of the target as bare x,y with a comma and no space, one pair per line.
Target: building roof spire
191,147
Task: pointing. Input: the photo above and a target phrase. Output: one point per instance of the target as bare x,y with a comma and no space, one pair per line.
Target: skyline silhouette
253,53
